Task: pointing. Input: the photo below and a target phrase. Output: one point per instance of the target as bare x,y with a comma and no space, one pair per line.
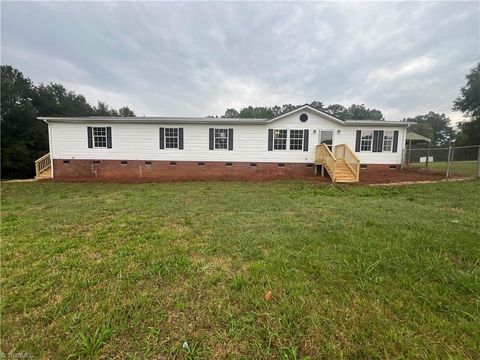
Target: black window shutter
180,138
90,136
270,139
210,138
109,137
377,141
357,140
162,138
230,139
380,141
305,140
395,141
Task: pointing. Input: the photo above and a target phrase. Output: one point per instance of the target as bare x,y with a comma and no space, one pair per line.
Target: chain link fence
451,161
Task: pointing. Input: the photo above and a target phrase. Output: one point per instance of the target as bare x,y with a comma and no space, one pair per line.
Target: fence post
428,154
409,153
478,162
449,160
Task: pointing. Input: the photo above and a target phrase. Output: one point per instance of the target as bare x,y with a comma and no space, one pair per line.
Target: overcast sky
196,59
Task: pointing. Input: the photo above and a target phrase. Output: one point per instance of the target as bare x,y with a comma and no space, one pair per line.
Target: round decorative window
303,117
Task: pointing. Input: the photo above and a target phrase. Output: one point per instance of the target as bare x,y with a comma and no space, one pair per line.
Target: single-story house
303,142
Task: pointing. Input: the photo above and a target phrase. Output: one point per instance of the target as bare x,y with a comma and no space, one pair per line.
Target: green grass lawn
461,168
134,270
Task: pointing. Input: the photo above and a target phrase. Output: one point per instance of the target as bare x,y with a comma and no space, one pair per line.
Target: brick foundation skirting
137,170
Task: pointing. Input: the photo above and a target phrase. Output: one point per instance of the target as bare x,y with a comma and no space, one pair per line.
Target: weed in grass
192,351
237,283
291,353
90,345
304,189
188,221
375,191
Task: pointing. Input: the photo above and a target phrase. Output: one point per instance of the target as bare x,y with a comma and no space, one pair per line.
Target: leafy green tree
289,107
317,105
355,112
469,133
256,112
102,109
361,112
276,110
435,126
55,100
126,112
337,110
469,103
231,113
24,138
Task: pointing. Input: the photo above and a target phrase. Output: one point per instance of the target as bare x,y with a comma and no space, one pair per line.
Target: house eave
152,120
377,123
213,121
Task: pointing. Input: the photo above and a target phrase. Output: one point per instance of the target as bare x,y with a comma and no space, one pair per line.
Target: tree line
357,112
436,126
24,138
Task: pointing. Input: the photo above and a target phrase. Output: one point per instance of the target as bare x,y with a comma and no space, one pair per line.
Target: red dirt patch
366,177
396,176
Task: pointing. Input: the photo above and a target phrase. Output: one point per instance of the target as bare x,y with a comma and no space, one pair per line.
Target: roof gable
311,108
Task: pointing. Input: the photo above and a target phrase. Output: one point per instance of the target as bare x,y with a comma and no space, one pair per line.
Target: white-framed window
387,140
296,139
171,138
100,137
366,140
280,139
221,139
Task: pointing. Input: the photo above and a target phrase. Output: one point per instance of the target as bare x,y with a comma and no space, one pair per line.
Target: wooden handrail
350,158
347,149
324,148
42,164
327,159
342,154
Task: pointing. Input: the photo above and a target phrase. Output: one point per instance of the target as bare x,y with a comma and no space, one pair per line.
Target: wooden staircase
343,167
43,167
343,173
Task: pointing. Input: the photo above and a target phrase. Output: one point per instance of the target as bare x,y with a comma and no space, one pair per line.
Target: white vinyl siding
139,141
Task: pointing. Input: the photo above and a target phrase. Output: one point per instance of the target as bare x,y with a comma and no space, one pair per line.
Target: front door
326,137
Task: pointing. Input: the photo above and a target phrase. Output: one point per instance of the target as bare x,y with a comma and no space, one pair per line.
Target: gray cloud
164,58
